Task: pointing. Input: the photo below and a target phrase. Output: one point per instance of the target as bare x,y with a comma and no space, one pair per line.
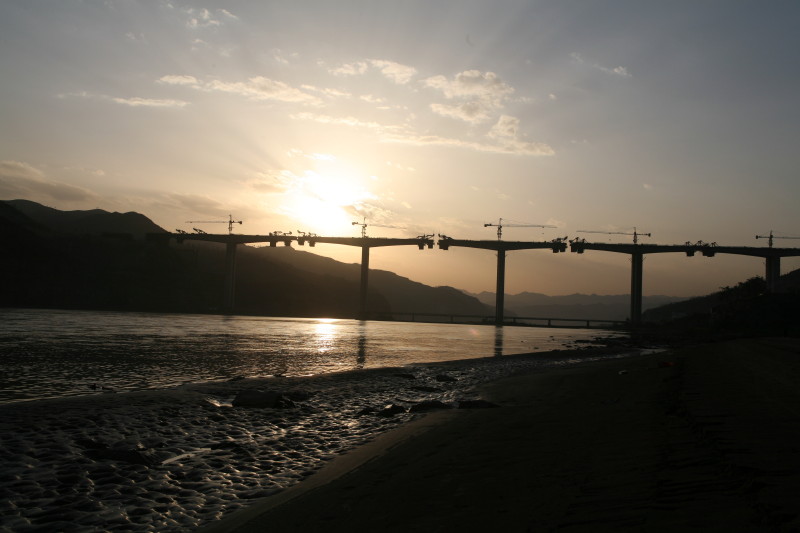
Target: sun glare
324,202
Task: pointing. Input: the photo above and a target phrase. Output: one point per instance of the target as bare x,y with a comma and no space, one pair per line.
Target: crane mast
771,237
635,233
364,225
500,225
230,222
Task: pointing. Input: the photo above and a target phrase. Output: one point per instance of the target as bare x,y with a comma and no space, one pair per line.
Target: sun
324,203
316,215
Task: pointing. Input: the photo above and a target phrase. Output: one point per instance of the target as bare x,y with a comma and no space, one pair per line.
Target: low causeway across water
590,323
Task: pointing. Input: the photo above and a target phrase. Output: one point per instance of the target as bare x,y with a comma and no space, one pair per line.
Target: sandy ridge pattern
175,459
700,439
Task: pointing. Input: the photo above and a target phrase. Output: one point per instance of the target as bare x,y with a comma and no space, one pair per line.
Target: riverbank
699,439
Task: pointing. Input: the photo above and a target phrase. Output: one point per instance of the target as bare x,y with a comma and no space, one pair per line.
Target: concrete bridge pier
500,294
637,261
230,277
773,273
362,305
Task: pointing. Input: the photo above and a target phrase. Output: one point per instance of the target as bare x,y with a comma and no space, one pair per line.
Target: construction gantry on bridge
635,249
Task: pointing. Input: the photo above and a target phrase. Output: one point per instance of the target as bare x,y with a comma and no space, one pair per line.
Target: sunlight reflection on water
47,353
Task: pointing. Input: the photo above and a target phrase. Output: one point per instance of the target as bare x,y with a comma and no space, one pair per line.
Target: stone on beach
391,410
476,404
429,405
258,398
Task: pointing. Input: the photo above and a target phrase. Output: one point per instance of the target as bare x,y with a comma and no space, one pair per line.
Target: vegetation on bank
743,310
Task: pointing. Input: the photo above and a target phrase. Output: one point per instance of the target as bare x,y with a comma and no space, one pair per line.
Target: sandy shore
701,439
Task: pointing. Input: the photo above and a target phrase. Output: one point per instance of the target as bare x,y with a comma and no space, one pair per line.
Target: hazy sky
680,118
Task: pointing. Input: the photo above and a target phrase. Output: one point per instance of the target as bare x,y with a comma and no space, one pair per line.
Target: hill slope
403,294
726,297
91,222
65,259
588,306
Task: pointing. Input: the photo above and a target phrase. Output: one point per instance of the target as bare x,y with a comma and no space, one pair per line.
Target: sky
678,118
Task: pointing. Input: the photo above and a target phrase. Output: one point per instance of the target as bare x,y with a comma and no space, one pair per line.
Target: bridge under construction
636,250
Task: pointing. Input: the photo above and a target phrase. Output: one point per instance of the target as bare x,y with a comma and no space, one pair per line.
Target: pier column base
362,303
637,259
501,288
773,273
230,278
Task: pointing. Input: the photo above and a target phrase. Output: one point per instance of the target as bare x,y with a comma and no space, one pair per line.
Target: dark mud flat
698,439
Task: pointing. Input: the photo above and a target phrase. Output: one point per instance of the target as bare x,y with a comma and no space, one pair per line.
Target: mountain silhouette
91,222
586,306
100,260
721,301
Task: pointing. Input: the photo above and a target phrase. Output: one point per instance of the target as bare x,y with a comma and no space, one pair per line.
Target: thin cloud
506,133
136,37
295,152
148,102
371,99
277,181
350,69
400,167
197,203
204,18
19,170
471,84
479,94
280,57
342,121
179,79
616,71
512,147
330,93
473,112
507,127
135,101
261,88
255,88
371,212
396,72
22,180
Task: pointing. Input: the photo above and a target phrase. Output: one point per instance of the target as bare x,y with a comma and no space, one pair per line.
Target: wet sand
176,459
705,438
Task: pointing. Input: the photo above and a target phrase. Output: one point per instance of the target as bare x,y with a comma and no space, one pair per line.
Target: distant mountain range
588,306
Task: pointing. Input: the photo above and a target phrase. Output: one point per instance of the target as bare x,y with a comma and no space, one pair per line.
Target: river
56,353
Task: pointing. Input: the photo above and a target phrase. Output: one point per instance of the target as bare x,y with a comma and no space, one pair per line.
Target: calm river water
52,353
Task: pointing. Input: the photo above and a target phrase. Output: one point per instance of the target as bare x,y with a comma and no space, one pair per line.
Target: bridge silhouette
637,252
501,247
231,241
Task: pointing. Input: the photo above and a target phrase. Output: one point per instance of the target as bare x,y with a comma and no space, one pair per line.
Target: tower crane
771,237
230,222
364,226
511,225
635,234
